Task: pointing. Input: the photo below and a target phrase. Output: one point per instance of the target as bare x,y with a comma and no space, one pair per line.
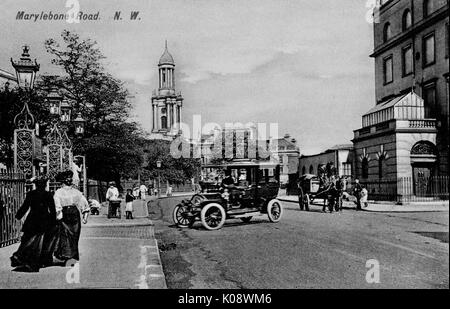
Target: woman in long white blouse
69,203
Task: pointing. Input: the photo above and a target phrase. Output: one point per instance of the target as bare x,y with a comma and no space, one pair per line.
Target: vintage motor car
254,194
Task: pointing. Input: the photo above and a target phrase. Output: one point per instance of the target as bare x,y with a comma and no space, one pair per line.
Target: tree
175,171
111,143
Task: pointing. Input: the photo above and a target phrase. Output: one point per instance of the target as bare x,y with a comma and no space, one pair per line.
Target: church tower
166,104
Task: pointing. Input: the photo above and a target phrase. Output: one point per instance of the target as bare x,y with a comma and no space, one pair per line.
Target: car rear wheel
213,216
182,216
274,210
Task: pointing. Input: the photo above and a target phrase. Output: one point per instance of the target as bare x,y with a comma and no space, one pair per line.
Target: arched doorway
423,163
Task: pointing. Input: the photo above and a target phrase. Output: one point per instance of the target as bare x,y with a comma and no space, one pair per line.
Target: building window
428,7
365,168
281,159
388,70
164,122
346,169
429,52
311,169
429,97
407,60
304,170
380,167
387,32
407,20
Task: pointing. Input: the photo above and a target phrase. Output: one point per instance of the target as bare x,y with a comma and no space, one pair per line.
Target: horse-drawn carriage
313,187
255,194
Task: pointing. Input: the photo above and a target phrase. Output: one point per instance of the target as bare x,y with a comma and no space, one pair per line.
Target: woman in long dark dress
37,242
69,203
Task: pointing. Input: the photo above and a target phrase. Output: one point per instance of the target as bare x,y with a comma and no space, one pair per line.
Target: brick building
405,135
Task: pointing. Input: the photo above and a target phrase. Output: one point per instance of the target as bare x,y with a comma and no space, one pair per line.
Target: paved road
306,250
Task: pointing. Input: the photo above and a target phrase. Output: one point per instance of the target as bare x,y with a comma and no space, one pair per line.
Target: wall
392,12
372,146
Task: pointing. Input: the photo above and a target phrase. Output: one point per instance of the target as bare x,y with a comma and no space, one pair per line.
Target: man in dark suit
357,193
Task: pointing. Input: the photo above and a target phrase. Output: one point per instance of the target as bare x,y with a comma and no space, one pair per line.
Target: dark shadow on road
441,236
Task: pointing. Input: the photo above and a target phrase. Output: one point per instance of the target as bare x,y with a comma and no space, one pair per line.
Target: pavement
380,206
114,253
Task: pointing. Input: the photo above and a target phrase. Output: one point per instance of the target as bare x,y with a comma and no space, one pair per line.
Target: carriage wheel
301,199
306,202
181,216
213,216
246,219
274,210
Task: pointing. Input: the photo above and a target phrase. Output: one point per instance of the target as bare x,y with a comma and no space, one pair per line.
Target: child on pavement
364,196
129,198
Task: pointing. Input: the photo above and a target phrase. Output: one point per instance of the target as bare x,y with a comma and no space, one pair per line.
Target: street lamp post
158,165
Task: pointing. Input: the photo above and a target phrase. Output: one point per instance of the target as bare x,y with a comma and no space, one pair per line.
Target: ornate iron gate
24,137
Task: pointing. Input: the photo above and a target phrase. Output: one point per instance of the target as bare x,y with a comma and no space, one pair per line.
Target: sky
303,64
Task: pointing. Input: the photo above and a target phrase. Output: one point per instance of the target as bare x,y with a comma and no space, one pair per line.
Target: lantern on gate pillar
25,69
65,111
79,123
54,100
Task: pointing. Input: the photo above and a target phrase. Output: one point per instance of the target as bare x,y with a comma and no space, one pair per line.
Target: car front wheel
213,216
182,217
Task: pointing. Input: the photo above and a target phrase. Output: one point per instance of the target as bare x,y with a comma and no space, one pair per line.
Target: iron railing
12,195
408,189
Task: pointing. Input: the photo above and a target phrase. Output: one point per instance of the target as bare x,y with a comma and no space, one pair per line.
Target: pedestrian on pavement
129,198
76,169
37,242
136,193
169,190
364,196
69,203
340,186
357,193
112,196
143,189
